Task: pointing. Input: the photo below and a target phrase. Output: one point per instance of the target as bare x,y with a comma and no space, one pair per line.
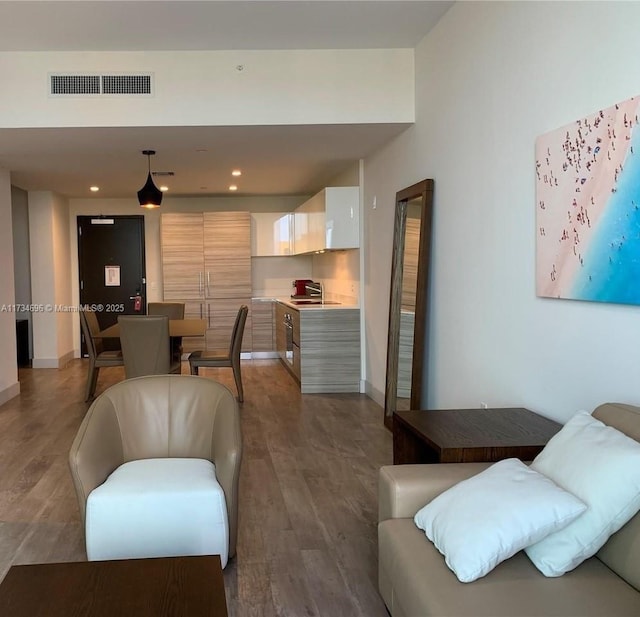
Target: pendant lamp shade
149,196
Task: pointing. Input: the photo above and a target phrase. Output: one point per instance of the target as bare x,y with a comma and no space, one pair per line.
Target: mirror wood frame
424,191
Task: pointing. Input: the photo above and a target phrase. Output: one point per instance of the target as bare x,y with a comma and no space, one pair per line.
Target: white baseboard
374,393
10,392
60,362
64,360
44,363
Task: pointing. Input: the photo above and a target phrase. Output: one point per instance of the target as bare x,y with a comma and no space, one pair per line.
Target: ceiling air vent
126,84
75,84
78,85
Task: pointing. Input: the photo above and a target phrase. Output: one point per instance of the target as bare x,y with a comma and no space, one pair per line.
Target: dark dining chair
98,356
145,345
215,358
173,310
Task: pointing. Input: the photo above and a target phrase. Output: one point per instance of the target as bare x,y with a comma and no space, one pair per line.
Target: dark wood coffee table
163,587
469,435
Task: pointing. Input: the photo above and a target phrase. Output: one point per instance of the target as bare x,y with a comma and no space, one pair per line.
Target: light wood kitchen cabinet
206,263
221,315
262,322
227,254
325,354
182,242
280,333
329,220
193,310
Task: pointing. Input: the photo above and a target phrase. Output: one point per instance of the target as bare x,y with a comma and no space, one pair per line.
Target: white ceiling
67,161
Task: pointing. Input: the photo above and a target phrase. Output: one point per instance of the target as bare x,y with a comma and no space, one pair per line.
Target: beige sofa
414,580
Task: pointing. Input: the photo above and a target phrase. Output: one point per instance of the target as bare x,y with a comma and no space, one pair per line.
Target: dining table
177,327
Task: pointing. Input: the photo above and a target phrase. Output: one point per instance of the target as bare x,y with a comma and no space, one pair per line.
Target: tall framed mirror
408,299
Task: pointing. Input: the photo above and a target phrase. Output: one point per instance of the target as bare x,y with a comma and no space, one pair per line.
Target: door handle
208,283
208,315
200,285
200,310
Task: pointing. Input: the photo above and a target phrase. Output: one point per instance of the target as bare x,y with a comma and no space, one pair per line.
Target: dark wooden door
111,266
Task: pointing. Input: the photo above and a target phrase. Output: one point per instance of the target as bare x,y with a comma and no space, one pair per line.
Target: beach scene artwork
588,208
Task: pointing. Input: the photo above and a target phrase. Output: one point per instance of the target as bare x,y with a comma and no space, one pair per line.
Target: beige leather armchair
160,416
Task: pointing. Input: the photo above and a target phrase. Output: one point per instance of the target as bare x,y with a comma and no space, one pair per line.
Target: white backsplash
339,272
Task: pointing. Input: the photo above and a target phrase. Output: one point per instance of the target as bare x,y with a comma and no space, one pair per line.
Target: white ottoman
160,507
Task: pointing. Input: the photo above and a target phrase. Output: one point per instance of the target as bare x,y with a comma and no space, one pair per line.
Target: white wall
9,386
490,78
205,88
21,263
50,279
62,275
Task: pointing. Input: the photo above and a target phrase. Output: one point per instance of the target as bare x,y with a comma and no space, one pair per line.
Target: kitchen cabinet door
193,310
328,220
262,325
308,225
182,241
221,315
281,336
271,234
227,254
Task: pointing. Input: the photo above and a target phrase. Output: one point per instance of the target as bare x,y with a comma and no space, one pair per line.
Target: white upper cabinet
271,234
329,220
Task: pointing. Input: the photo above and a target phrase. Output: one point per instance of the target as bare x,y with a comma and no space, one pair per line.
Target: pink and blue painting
588,208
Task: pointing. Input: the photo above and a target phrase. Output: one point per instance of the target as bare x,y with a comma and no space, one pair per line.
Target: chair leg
193,368
237,375
92,381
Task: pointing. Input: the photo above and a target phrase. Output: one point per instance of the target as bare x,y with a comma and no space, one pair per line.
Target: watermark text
61,308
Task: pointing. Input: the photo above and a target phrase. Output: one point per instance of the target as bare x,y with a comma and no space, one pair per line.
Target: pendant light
149,196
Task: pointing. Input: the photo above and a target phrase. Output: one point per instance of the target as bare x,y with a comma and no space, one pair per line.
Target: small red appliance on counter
300,287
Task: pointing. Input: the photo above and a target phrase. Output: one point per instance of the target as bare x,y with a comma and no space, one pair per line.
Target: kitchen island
320,345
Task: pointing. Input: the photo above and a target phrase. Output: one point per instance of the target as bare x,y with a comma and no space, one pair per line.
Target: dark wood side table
469,435
162,587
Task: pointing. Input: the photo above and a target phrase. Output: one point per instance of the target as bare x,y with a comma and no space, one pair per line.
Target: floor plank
308,489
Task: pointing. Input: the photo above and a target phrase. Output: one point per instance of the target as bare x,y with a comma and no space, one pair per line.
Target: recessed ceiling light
233,187
94,189
164,188
236,172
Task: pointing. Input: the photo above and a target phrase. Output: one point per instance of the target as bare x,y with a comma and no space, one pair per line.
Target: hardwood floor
308,489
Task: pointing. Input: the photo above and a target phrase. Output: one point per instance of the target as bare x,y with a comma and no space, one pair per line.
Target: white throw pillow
601,466
486,519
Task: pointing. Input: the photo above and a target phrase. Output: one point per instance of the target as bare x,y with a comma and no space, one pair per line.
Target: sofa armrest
404,489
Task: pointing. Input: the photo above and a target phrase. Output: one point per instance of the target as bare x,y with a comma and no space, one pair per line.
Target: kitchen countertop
306,307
